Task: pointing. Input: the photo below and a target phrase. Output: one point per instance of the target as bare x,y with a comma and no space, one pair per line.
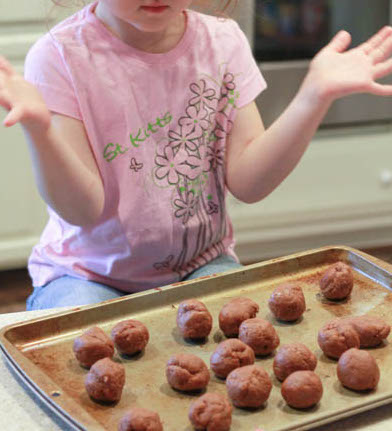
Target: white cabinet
28,10
340,193
22,212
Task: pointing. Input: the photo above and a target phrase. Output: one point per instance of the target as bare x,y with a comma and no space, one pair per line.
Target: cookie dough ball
260,335
230,354
194,321
187,372
248,386
211,412
105,380
337,336
93,345
358,370
302,389
140,419
130,336
293,357
287,302
234,313
337,282
371,330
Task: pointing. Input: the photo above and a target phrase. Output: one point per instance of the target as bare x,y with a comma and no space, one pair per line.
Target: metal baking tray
40,350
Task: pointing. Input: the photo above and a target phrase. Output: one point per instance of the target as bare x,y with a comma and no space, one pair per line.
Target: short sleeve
46,69
249,80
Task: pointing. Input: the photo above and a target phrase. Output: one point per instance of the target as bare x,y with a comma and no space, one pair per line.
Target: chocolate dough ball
337,336
105,380
130,336
211,412
234,313
337,282
187,372
260,335
93,345
358,370
293,357
140,419
248,386
287,302
302,389
371,330
193,319
230,354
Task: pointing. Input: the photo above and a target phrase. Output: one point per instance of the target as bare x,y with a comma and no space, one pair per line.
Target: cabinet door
22,211
21,9
340,193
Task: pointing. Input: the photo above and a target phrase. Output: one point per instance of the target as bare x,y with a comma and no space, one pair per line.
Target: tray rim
376,261
17,360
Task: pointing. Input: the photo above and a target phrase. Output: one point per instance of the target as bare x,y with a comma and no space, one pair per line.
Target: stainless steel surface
284,77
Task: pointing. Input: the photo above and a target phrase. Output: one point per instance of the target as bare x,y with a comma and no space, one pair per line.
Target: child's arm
259,160
64,166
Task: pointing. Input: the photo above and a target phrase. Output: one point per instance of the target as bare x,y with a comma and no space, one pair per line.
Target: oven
286,34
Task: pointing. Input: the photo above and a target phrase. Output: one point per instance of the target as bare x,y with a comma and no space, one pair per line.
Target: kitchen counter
22,410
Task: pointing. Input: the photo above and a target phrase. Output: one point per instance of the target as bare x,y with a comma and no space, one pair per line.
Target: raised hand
22,100
338,72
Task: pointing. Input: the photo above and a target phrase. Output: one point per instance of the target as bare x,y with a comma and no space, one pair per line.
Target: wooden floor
15,286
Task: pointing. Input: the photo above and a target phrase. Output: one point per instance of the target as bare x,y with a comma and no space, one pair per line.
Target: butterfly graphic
135,166
212,208
165,264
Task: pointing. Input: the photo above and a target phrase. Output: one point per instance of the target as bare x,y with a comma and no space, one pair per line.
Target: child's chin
148,27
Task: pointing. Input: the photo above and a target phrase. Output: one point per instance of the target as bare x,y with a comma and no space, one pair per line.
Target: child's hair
220,7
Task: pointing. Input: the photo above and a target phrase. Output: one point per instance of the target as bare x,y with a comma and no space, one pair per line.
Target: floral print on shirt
191,162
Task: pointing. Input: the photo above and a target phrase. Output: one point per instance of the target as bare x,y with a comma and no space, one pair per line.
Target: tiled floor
15,286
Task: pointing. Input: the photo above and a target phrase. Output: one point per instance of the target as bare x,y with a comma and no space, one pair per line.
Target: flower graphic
228,83
215,156
223,127
223,124
171,165
195,122
189,164
186,206
223,104
213,208
201,160
181,139
203,95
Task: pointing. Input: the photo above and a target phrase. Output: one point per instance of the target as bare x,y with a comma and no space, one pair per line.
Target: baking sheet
40,350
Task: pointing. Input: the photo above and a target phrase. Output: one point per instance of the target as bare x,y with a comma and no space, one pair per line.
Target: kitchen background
340,193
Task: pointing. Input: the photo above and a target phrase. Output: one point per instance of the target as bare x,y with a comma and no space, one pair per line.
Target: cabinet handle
386,178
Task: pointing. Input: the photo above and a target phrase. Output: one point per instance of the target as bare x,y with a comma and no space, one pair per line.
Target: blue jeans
71,291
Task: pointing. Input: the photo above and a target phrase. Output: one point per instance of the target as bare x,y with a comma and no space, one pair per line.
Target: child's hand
337,72
22,100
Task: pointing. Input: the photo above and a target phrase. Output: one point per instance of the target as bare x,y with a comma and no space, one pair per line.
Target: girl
139,116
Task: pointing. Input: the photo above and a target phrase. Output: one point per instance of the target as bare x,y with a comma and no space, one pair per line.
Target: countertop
22,410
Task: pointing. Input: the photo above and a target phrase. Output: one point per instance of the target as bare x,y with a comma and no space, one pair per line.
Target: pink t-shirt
157,125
